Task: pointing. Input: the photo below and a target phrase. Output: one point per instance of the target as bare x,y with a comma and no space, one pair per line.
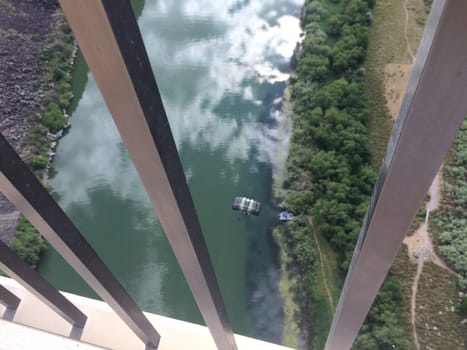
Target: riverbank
331,169
391,47
37,57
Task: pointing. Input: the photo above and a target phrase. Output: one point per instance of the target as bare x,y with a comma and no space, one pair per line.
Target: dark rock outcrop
25,29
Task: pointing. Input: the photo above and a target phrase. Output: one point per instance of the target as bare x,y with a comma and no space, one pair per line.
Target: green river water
221,68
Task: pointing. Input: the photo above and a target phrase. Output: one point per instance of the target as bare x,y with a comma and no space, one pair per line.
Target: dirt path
409,49
323,274
420,249
421,261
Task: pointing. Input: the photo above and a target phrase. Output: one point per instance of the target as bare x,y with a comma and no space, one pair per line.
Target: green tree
346,54
463,306
315,11
314,67
298,202
335,24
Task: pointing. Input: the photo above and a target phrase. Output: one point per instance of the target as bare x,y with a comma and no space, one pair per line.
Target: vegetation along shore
350,75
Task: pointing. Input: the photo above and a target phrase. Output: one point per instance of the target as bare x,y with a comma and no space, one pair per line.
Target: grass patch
405,272
437,320
287,283
448,179
323,309
331,268
386,44
294,292
416,24
448,224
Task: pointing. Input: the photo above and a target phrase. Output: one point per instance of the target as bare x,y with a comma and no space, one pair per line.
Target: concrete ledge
18,337
46,330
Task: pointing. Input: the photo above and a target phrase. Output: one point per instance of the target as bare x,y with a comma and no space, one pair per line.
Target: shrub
46,54
463,306
53,119
59,74
298,202
39,162
27,243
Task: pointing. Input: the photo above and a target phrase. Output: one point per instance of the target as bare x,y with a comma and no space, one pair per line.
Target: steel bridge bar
109,37
8,299
433,108
22,189
30,279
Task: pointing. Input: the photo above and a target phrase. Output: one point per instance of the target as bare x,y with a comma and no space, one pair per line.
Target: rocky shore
27,27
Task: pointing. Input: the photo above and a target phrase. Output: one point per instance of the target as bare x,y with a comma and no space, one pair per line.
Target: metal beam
22,189
110,40
434,107
8,299
30,279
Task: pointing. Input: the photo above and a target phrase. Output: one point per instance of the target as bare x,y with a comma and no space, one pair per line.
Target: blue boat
285,216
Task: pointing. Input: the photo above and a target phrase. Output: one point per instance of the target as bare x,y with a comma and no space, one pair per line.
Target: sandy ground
396,78
420,244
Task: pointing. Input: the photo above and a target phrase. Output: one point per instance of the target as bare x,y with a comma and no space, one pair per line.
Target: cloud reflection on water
249,44
228,48
216,63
